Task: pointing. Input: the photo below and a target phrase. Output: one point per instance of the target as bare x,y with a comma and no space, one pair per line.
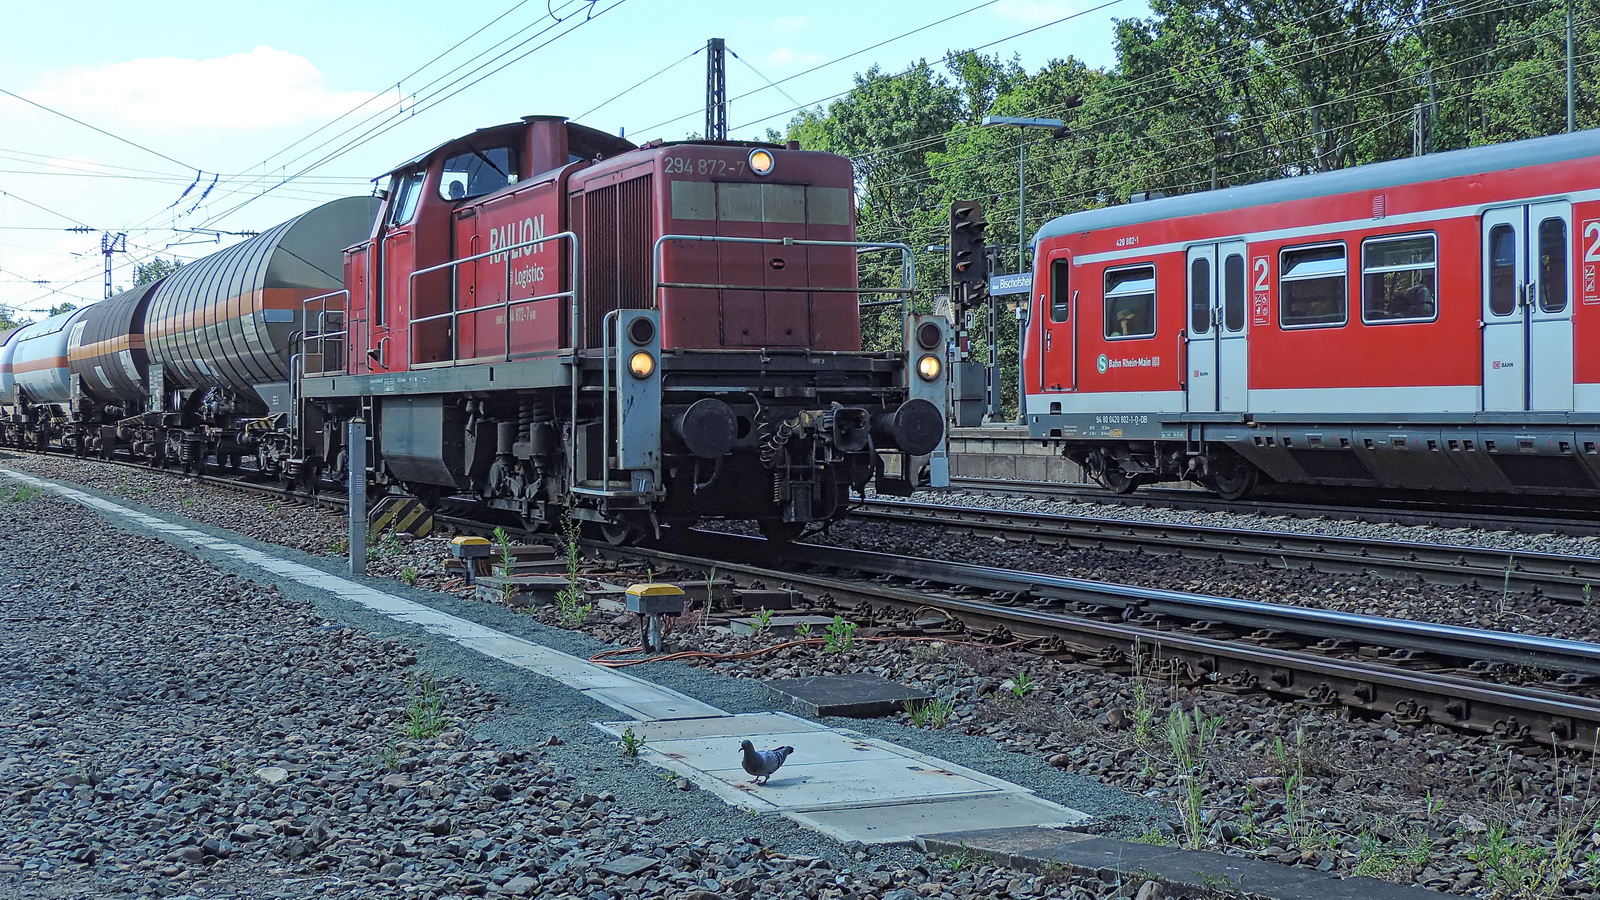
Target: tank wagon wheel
1232,479
1117,481
623,532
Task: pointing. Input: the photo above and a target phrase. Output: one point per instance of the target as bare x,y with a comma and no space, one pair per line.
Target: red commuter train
1411,324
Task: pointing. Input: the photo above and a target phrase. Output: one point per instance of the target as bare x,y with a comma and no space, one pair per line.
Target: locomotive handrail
907,268
506,304
297,361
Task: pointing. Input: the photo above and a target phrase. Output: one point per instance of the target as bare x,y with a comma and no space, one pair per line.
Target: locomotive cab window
403,198
1060,293
478,172
1399,279
1311,288
1130,302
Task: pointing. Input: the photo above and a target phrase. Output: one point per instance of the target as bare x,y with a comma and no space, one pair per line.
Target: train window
1200,296
1552,265
1233,293
403,198
1399,279
1130,302
1060,290
1311,288
478,172
1502,270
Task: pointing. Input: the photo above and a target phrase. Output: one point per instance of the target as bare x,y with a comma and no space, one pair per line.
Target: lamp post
993,413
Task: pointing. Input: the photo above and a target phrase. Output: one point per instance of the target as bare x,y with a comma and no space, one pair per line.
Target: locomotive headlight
641,364
762,161
929,367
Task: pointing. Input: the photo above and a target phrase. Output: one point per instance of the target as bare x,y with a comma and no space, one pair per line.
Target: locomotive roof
594,136
1449,164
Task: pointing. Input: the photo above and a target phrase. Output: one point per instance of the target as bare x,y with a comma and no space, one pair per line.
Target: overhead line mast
716,91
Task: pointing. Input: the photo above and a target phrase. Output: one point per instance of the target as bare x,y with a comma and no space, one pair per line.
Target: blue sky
249,94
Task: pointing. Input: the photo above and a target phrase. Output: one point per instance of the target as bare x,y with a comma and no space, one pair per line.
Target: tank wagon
1411,324
538,315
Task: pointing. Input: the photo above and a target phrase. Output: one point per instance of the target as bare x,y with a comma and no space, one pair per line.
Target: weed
339,546
570,606
963,858
190,502
1505,588
1022,685
841,635
24,493
1190,738
272,505
803,631
761,623
392,545
1588,591
1293,771
503,541
387,757
1143,713
409,575
933,714
1153,835
424,713
1373,859
372,555
630,744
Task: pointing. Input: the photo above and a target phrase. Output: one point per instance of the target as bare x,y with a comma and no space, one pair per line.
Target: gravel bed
170,728
1487,536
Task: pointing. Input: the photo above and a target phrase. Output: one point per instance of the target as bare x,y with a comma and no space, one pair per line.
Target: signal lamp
641,364
641,331
929,367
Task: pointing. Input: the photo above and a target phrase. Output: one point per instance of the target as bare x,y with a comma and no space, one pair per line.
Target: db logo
1102,364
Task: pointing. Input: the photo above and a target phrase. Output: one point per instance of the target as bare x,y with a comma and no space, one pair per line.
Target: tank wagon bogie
1411,324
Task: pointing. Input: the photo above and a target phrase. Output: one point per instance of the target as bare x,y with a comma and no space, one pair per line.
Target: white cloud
793,23
1035,12
788,56
264,88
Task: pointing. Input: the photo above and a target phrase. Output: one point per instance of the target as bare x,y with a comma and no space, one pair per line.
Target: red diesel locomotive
1409,324
552,319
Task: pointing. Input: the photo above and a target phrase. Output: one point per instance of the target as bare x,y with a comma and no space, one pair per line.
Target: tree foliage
157,268
1203,94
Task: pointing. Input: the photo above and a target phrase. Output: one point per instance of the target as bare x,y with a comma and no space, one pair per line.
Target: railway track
1519,514
1419,672
1422,673
1563,577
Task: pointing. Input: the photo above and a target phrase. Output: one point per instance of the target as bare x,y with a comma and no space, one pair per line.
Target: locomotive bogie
1411,324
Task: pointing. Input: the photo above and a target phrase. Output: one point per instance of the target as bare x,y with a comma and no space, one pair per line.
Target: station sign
1002,285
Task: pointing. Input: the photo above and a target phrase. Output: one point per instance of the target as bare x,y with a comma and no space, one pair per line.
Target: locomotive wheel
1233,481
1119,482
620,534
778,531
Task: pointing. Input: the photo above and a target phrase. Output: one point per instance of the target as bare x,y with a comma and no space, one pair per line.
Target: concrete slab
752,726
859,696
904,823
782,626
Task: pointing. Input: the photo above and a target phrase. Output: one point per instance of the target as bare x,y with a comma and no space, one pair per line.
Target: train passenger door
1218,348
1527,308
1054,307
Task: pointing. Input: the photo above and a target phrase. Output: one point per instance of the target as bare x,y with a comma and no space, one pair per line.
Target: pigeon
762,763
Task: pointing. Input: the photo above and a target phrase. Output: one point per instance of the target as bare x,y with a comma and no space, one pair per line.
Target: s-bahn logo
1102,364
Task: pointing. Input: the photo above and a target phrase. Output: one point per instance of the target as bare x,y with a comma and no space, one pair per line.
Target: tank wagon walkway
840,782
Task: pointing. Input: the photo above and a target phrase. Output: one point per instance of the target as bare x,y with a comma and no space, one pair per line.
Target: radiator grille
616,252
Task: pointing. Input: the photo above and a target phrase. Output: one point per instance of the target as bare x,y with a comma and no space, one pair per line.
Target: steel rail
1512,713
1554,575
1304,504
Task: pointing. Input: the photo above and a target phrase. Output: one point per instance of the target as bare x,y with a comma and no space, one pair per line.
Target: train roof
1449,164
591,139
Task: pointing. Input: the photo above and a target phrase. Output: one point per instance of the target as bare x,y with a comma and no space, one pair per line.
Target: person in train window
1124,324
1415,302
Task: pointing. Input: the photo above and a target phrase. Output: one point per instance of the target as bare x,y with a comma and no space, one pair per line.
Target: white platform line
633,697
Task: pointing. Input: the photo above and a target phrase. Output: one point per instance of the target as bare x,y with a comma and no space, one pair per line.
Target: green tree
62,307
156,268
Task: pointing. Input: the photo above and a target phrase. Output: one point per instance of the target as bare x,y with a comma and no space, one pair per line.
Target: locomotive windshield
478,172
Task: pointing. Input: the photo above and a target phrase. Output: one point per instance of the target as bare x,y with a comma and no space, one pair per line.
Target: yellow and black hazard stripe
402,513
